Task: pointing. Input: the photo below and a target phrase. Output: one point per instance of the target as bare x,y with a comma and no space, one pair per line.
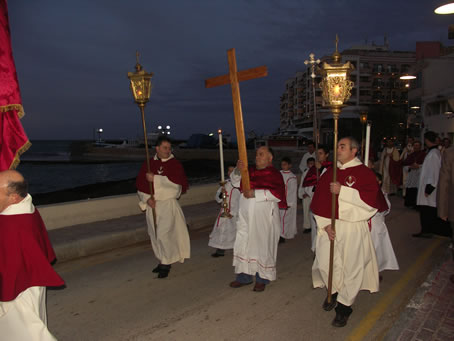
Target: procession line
378,310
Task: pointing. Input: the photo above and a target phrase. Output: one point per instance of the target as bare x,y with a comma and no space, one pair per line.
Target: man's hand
444,218
331,233
151,203
149,176
318,164
240,165
305,196
335,187
249,194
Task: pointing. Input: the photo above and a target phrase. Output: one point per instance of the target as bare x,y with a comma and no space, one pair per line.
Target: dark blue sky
72,57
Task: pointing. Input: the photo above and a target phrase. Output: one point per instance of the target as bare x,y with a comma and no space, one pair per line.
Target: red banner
13,141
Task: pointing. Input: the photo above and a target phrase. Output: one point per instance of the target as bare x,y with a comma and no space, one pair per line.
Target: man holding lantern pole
358,198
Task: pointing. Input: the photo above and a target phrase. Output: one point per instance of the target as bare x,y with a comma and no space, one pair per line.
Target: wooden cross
234,78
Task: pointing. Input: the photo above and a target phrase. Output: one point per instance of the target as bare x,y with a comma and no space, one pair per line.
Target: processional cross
234,77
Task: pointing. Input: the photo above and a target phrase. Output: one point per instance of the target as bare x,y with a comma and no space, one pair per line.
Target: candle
366,153
221,155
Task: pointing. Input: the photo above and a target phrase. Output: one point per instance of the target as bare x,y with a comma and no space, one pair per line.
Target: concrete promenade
112,295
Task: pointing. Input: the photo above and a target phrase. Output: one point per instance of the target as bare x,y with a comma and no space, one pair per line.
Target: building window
364,92
364,79
364,65
378,68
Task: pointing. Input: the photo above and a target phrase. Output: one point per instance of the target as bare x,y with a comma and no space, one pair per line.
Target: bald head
13,188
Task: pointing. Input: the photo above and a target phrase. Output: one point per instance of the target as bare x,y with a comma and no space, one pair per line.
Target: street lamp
99,131
140,84
445,9
336,86
363,119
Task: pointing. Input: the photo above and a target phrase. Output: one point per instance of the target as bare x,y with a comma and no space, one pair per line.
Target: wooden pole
239,125
336,112
142,110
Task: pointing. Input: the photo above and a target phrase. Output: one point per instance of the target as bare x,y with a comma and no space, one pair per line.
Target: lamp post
363,119
407,77
336,87
140,84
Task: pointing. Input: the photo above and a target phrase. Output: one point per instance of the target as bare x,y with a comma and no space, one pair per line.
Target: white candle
221,155
366,152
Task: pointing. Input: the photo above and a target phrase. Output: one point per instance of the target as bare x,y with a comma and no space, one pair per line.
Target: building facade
432,92
377,85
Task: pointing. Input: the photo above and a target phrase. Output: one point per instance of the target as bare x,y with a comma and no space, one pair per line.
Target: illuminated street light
445,9
407,77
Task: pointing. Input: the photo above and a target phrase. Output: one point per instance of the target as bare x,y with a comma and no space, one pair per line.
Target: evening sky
72,57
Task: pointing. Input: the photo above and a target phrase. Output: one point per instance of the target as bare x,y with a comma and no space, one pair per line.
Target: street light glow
407,77
167,127
445,9
415,107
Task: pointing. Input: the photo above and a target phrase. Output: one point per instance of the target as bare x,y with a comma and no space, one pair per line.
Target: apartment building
432,92
376,84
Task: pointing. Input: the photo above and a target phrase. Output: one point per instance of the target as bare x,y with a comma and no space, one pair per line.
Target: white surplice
355,264
430,171
257,235
224,229
288,216
386,258
171,243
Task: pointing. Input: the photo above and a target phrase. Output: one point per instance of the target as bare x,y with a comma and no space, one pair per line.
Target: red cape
25,255
171,168
360,178
395,172
271,179
311,177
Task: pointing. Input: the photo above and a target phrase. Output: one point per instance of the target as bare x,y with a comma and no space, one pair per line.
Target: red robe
171,168
358,177
26,255
271,179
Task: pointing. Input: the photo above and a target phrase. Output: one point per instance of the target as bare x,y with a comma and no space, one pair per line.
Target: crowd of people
253,223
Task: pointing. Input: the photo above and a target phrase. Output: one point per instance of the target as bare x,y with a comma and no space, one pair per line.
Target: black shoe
281,240
163,270
216,254
156,269
307,231
329,306
422,235
163,274
343,312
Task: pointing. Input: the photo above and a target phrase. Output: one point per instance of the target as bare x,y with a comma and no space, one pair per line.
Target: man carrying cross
258,226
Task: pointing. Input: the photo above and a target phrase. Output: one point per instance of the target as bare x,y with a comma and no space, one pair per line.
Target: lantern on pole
140,84
336,86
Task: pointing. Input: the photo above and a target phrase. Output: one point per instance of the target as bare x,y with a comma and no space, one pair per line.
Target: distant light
159,127
100,130
210,134
167,127
445,9
219,131
407,77
415,107
448,113
168,133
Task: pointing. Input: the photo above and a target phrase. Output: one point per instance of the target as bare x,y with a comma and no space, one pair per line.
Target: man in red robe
170,238
358,198
258,226
25,263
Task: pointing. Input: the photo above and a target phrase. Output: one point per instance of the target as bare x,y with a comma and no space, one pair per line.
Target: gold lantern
140,84
336,86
